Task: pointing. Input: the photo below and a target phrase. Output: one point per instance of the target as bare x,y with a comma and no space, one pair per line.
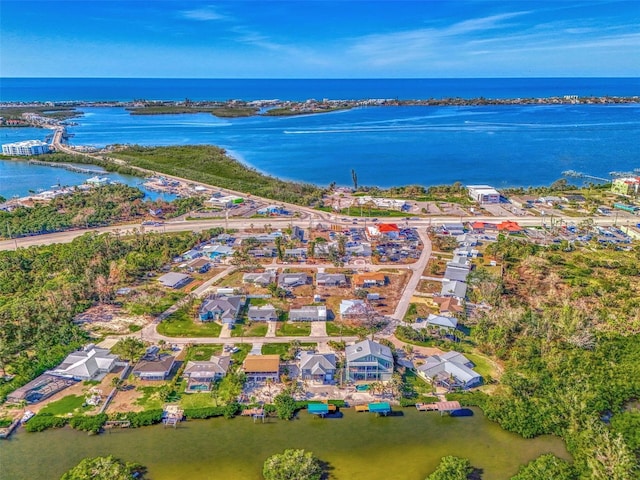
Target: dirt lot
109,319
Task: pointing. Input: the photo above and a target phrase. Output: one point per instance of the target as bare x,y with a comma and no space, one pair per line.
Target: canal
407,446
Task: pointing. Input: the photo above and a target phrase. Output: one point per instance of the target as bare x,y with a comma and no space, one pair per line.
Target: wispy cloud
203,14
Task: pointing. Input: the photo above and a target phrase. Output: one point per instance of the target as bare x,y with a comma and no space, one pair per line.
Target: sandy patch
109,319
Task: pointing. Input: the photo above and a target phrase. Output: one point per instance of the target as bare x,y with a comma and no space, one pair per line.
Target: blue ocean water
508,145
127,89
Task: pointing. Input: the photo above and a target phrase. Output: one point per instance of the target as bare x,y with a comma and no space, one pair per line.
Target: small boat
28,415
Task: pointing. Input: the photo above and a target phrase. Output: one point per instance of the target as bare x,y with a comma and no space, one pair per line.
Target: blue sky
319,39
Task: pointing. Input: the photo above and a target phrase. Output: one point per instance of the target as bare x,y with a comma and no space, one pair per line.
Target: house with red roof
509,227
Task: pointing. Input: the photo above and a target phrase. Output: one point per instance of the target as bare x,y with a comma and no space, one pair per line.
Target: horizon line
318,78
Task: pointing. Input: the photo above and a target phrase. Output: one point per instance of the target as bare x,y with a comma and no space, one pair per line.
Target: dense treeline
96,207
568,337
43,288
211,165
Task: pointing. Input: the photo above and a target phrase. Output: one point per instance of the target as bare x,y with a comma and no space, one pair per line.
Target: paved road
412,284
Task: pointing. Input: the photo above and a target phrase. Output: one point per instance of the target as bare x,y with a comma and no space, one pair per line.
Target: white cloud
204,14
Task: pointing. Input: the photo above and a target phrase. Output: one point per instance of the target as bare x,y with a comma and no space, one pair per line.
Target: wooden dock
117,424
362,408
441,407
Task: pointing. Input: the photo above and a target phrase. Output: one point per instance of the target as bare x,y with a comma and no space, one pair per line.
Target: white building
483,194
25,148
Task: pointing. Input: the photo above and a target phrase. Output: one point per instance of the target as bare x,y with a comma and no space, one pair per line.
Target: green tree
548,467
285,406
292,465
129,348
103,468
452,468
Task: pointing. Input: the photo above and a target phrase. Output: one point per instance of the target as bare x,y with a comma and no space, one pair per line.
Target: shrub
88,423
42,421
292,465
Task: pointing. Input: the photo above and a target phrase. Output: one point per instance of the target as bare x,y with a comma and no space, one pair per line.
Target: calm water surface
358,446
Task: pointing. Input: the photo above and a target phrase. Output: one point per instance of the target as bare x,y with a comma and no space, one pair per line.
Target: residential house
450,370
291,280
154,366
308,314
454,288
369,361
297,253
509,227
448,305
201,374
262,252
223,308
358,249
39,389
457,270
216,251
369,279
264,313
191,254
90,363
317,367
174,280
438,321
263,279
331,279
260,368
200,265
354,309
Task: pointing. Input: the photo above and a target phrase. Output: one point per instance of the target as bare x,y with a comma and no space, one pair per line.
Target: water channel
407,446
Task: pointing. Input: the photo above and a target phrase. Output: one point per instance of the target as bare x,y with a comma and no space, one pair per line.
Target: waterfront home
201,374
450,370
225,309
454,288
291,280
154,366
369,361
90,363
264,313
308,314
317,367
263,279
174,280
368,279
260,368
331,279
26,147
39,389
439,321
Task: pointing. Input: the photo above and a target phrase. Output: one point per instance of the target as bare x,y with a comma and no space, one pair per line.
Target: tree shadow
476,474
327,468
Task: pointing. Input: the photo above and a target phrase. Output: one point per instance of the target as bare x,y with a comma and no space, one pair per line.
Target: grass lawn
182,324
197,400
256,329
417,384
483,366
152,301
68,404
150,399
281,349
297,329
337,329
238,357
201,353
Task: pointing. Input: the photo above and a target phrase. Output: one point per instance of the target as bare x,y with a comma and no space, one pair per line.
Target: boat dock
6,431
255,413
321,409
442,407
